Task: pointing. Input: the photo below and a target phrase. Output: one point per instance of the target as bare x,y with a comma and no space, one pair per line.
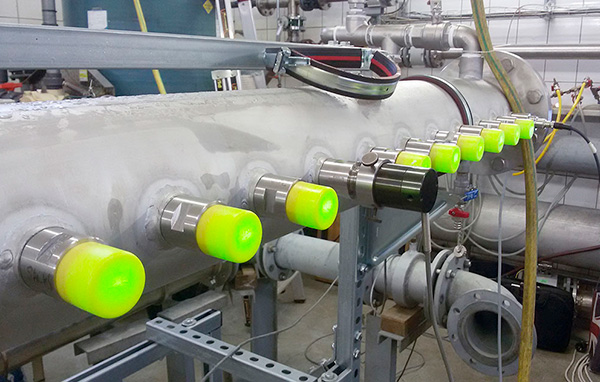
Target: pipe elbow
465,37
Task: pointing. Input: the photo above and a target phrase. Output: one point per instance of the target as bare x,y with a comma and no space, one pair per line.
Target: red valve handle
458,213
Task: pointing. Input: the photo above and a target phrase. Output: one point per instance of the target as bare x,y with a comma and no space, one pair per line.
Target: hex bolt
334,328
329,377
188,322
508,65
282,276
6,259
362,269
498,164
356,353
358,336
534,96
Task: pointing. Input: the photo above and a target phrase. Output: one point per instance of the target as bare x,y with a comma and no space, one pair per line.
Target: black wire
562,126
412,350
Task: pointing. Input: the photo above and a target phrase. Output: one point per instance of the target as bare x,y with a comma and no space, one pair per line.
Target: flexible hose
530,273
144,28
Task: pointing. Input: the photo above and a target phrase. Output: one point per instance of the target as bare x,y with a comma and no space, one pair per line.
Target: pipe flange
447,272
267,264
472,329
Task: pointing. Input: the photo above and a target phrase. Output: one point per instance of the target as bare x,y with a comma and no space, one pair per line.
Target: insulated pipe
567,228
549,52
442,37
466,303
116,155
308,255
570,154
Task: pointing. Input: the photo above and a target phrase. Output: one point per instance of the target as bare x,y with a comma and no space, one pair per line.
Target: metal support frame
196,337
34,47
264,317
382,348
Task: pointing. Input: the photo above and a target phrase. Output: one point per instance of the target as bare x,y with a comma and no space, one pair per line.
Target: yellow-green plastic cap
512,133
471,147
229,233
411,159
102,280
311,205
494,140
527,127
445,157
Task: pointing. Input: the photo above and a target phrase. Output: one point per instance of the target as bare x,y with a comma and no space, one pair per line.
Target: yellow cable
144,28
531,221
550,136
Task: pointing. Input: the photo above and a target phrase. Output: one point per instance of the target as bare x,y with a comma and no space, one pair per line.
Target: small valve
458,213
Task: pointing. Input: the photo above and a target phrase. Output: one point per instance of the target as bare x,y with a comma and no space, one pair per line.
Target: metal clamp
320,67
42,253
270,194
179,219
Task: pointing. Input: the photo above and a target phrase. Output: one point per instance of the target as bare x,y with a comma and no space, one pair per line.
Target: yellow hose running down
144,28
531,221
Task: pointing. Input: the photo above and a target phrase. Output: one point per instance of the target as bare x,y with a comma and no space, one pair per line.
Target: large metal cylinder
103,167
567,228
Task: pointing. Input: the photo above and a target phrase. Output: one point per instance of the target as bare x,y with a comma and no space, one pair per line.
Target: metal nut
534,96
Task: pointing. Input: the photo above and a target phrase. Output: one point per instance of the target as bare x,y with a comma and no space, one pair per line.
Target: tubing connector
305,204
379,183
218,230
97,278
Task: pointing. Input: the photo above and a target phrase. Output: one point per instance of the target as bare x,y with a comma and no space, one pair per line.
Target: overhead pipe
541,52
392,38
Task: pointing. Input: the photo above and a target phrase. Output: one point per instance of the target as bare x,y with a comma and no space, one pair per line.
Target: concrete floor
547,366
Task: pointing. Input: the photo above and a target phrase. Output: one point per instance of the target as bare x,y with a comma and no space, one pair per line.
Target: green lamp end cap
229,233
471,147
527,127
311,205
494,140
412,159
512,133
445,157
102,280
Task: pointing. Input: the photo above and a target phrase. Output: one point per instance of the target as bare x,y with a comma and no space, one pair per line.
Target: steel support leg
380,353
180,368
264,318
353,250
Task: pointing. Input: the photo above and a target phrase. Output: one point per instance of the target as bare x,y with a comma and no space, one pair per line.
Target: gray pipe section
567,228
308,255
549,52
442,37
406,277
569,153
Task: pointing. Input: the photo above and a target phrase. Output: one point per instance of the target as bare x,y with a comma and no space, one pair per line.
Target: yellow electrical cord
531,218
144,28
550,136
